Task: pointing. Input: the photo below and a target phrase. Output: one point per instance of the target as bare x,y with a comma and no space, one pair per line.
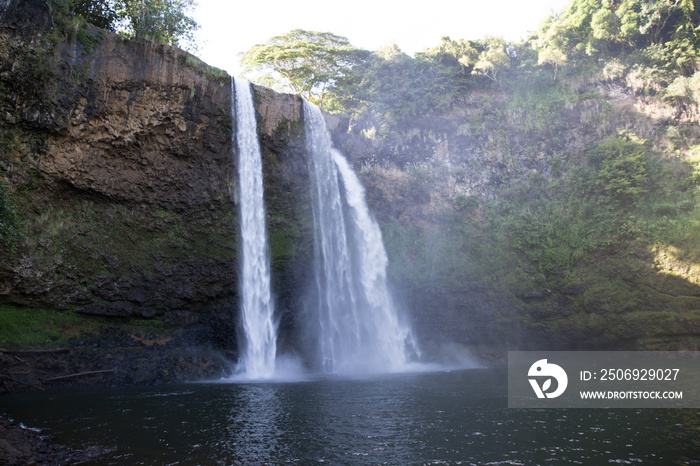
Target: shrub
622,168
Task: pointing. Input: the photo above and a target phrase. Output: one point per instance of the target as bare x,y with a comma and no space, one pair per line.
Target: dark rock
136,296
145,312
210,333
21,446
116,309
180,318
121,309
93,309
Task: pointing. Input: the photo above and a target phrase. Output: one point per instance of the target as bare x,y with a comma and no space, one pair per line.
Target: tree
493,59
100,13
552,56
451,53
164,21
305,62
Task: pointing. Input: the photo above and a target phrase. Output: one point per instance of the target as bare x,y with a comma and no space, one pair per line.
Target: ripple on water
458,417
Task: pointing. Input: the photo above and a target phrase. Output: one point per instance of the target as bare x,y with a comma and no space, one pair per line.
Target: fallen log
79,374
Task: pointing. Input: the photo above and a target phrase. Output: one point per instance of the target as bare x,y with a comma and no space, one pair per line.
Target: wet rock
21,446
209,332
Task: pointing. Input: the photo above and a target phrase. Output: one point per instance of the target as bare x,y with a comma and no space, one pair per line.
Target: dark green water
458,417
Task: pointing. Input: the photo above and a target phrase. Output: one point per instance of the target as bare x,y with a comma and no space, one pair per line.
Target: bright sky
229,27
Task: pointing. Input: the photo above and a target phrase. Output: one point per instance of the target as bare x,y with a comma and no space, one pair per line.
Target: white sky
229,27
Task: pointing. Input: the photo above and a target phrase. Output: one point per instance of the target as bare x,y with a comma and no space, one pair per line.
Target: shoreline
20,445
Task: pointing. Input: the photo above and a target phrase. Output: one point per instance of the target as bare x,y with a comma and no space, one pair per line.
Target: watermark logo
604,379
543,372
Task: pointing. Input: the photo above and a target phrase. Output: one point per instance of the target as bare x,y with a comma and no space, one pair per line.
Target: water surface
458,417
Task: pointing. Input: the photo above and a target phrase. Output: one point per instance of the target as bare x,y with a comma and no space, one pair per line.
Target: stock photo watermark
604,379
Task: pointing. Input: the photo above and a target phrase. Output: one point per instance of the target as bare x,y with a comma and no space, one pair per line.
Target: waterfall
356,323
259,344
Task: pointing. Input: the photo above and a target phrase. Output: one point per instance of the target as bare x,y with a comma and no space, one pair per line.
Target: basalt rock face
287,203
120,159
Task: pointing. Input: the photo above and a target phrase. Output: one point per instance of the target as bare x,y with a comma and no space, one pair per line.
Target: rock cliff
119,155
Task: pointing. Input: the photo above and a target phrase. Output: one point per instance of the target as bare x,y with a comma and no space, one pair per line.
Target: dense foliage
652,44
165,21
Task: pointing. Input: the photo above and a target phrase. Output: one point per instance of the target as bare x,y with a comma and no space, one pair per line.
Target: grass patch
22,327
41,328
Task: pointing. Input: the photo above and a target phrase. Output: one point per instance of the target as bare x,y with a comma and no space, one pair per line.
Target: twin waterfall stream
354,322
257,309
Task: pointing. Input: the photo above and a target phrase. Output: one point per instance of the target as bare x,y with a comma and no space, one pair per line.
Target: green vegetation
307,62
652,45
40,328
164,21
37,328
622,169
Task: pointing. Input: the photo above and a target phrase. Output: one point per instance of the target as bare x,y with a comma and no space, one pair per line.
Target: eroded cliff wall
121,161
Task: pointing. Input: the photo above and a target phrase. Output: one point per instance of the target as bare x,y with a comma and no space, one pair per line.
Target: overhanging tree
164,21
100,13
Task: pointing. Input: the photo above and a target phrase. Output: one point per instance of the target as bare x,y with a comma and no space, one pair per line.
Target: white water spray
358,326
257,310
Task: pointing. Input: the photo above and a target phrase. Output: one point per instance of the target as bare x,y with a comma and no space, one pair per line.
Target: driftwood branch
79,374
5,376
20,359
34,351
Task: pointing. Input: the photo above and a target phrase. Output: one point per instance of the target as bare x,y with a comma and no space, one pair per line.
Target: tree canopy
305,62
611,27
100,13
165,21
652,44
494,59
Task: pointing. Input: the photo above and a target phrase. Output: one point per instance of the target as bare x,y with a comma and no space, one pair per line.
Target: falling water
257,310
359,329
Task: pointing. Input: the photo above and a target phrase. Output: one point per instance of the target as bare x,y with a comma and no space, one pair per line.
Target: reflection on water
255,422
456,417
